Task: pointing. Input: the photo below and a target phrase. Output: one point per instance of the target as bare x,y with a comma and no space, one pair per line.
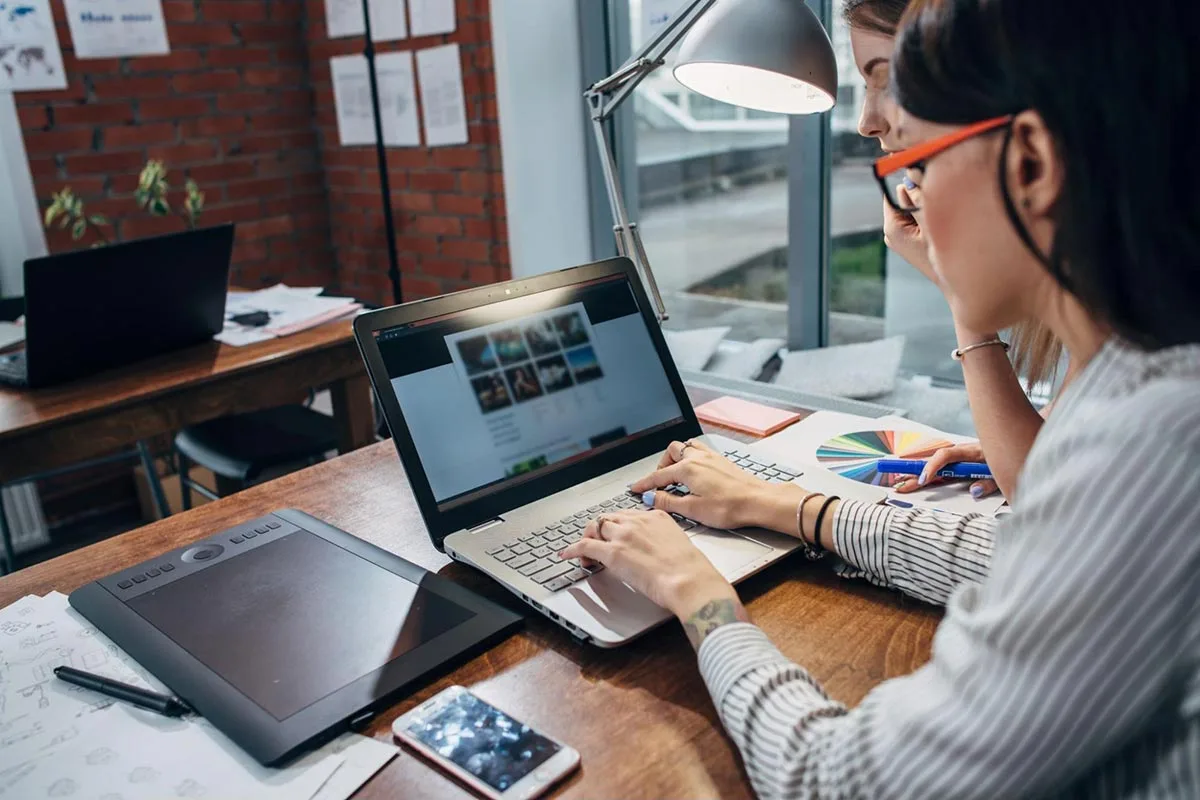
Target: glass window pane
711,200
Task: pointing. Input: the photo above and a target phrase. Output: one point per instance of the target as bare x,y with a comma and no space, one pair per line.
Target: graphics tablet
284,631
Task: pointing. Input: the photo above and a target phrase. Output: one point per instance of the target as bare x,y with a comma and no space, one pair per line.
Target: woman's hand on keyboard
719,493
650,552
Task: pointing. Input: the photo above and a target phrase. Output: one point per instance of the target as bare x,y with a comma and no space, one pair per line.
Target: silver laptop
523,410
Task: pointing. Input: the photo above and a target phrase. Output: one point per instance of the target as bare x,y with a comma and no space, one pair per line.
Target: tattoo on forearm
711,616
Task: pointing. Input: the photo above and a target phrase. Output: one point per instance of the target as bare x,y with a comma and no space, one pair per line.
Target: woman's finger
661,479
939,460
592,549
672,455
985,488
672,504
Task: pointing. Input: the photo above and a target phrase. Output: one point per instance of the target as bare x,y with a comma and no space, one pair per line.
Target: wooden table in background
639,715
44,429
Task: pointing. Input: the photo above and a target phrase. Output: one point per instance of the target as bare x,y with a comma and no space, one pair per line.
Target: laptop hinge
483,526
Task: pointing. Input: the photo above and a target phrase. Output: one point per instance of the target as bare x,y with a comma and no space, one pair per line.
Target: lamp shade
767,55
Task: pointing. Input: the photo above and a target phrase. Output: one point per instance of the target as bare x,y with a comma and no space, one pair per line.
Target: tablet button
251,534
273,525
125,584
236,539
139,578
166,567
261,530
204,552
152,573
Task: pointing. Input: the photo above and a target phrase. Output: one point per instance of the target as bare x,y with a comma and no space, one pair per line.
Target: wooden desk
44,429
640,716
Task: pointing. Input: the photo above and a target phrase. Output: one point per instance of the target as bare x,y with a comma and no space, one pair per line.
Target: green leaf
52,211
78,229
160,208
64,222
98,219
97,244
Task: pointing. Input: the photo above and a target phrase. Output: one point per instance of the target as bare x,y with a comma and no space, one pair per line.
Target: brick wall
244,105
448,201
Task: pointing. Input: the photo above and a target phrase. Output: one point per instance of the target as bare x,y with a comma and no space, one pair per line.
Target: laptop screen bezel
442,522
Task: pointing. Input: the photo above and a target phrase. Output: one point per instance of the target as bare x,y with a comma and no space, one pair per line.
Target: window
711,198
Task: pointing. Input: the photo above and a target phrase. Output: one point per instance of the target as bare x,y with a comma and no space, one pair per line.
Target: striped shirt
1069,666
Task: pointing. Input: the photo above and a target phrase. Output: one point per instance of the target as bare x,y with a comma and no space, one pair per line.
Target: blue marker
966,470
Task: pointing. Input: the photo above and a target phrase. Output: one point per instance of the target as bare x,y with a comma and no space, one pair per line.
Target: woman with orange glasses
1049,147
1005,419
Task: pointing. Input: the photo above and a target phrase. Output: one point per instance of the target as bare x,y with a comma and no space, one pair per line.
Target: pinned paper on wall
431,17
345,18
655,16
439,70
397,100
115,28
30,58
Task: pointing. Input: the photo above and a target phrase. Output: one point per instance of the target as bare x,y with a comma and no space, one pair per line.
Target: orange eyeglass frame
926,150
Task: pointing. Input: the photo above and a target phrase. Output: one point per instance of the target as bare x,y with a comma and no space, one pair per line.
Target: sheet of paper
345,18
397,100
363,758
798,445
135,754
431,16
30,58
439,70
112,28
11,333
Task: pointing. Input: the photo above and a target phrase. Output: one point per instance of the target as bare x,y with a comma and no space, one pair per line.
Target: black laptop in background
92,310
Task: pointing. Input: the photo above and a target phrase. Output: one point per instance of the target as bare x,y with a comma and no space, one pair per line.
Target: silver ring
600,526
683,451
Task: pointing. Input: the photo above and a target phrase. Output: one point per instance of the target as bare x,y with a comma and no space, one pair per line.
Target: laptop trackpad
729,552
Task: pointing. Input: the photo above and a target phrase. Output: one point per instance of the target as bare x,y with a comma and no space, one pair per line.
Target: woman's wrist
773,506
704,604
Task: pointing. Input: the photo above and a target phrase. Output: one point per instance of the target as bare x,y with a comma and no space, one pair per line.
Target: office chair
241,448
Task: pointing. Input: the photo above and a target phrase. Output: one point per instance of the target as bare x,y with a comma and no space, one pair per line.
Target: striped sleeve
925,554
1073,647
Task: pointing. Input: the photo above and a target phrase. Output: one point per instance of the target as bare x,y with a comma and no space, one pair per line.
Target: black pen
142,698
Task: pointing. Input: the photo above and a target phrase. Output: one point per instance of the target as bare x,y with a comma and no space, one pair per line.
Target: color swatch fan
854,455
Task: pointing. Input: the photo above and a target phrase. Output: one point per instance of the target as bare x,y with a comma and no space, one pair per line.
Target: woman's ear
1034,170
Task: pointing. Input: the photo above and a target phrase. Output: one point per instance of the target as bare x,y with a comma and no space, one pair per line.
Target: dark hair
1118,86
876,16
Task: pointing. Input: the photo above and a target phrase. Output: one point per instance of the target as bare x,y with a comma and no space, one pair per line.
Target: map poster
30,59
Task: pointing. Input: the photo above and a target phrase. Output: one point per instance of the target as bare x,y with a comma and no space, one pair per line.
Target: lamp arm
607,94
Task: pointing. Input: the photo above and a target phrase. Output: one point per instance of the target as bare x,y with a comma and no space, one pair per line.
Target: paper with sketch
363,758
439,70
114,28
38,712
798,444
30,58
134,754
397,100
345,18
431,16
290,310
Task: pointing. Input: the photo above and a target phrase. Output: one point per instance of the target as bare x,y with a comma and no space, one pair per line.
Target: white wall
21,234
543,138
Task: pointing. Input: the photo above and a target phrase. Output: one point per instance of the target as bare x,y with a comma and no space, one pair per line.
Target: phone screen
483,740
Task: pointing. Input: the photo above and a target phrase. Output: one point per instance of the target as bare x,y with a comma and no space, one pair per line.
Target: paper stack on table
57,740
290,309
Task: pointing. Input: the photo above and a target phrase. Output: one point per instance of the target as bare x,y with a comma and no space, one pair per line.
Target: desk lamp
766,55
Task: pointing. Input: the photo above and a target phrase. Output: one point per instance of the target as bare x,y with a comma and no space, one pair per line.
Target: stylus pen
142,698
969,470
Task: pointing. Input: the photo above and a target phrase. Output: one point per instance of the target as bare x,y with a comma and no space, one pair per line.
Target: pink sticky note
742,415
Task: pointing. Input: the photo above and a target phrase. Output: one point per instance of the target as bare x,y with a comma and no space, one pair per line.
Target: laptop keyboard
13,370
537,556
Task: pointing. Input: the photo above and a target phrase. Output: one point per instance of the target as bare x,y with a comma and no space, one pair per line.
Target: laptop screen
504,393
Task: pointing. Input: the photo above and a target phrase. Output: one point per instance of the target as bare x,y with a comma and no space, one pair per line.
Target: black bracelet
821,518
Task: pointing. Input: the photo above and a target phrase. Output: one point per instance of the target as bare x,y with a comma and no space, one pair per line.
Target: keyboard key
576,574
566,520
553,536
139,578
125,584
494,550
558,584
571,538
556,546
541,552
504,556
609,504
540,531
594,509
553,571
526,537
533,567
520,561
167,567
152,573
520,549
537,541
583,515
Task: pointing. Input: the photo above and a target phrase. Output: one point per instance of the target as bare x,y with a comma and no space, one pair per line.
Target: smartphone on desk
494,754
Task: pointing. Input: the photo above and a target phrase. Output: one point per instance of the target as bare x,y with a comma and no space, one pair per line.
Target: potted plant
68,210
